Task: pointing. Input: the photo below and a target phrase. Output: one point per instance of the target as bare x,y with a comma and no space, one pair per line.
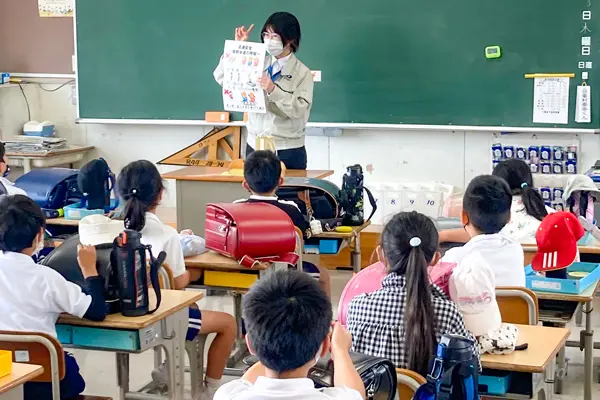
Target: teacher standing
288,85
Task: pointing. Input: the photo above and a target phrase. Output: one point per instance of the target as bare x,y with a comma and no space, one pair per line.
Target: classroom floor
99,368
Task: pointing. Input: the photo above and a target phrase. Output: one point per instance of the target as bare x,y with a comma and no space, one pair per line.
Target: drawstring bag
453,372
129,258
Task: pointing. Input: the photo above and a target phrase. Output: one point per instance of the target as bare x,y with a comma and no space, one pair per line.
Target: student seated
33,296
486,210
526,211
288,317
6,186
262,177
404,320
140,187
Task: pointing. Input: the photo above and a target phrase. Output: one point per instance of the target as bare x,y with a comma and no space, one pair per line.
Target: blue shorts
195,323
71,386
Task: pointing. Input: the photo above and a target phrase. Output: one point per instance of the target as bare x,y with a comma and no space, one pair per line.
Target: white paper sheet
55,8
243,65
551,100
583,105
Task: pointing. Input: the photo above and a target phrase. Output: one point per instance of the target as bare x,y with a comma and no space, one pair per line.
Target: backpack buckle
436,369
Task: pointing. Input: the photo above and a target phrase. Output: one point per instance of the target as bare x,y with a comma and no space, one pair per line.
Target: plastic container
75,212
541,283
497,384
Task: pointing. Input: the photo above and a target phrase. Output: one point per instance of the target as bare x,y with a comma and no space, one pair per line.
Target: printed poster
55,8
551,100
243,66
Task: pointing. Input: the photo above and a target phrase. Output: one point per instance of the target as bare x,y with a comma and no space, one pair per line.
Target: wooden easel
212,142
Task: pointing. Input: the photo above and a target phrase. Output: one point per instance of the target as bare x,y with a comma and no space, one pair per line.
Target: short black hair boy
486,204
288,317
21,220
262,171
286,25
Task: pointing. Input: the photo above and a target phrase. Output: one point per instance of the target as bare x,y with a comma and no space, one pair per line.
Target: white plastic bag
192,245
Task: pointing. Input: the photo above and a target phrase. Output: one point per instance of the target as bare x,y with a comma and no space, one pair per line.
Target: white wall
395,155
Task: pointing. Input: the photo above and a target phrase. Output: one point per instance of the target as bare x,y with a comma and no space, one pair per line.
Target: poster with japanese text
243,66
55,8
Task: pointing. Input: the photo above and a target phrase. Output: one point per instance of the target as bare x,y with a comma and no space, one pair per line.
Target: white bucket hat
580,183
473,289
98,229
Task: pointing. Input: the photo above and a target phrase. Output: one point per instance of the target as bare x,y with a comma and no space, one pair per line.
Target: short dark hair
487,202
2,151
285,25
262,170
288,316
20,222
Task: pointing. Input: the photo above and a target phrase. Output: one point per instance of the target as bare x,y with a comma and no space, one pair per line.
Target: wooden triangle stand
212,141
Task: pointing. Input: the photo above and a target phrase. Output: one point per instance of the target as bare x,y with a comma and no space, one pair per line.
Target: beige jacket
288,106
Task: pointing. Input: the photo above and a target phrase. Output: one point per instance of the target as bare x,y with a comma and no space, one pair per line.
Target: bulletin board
31,44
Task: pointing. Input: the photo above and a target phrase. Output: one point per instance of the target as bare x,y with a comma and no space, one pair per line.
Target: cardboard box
216,116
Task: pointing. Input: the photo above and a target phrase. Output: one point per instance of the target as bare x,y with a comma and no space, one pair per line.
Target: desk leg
241,349
174,334
561,371
588,340
355,255
26,166
123,374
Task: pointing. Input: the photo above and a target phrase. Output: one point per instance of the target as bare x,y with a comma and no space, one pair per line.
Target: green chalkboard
382,61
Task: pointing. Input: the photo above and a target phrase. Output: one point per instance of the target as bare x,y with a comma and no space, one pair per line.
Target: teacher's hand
242,34
267,84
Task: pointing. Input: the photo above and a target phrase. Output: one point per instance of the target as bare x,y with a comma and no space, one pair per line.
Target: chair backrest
39,349
408,382
165,277
518,305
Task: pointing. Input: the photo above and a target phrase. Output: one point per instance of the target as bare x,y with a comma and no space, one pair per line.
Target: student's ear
245,186
380,256
464,218
280,181
326,346
436,258
250,349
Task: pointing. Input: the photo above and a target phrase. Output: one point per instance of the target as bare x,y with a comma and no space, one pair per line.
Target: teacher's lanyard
275,76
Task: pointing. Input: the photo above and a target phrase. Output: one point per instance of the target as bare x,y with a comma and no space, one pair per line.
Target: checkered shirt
376,320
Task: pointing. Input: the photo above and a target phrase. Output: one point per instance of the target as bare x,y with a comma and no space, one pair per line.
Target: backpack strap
372,201
155,264
288,258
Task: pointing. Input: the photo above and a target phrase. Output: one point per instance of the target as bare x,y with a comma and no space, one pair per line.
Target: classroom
438,163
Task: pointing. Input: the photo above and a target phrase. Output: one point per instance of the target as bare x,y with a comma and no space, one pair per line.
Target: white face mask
274,47
318,356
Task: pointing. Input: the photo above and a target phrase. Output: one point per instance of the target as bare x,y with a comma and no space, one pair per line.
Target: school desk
586,339
199,186
350,239
537,358
220,272
122,335
69,156
11,386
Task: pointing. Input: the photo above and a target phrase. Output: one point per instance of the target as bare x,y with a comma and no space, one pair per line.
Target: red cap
557,239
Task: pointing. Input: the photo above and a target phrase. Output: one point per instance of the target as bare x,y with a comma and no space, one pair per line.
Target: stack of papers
34,144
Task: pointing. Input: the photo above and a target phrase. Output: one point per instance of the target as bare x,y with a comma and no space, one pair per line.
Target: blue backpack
453,372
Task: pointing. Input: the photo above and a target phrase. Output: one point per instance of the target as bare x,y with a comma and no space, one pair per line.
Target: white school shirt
503,254
33,296
522,226
11,189
281,389
165,238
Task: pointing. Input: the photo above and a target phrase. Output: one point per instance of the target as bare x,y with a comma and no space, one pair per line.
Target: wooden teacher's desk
199,186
